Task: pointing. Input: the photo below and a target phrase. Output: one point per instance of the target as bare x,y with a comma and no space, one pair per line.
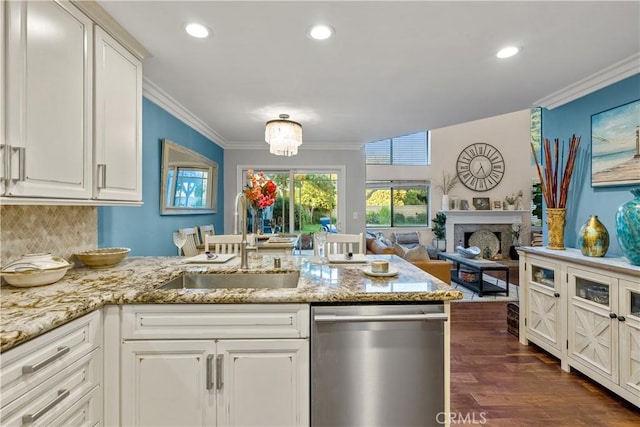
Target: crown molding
101,17
155,94
612,74
308,147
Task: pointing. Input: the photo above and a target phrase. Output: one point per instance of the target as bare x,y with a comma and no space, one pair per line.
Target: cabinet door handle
612,315
556,294
621,318
22,163
102,175
219,382
4,160
29,369
209,372
31,418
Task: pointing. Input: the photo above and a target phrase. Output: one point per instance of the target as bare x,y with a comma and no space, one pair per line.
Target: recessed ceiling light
507,52
198,31
321,32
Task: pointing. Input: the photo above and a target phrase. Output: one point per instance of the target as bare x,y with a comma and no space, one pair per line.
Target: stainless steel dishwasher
377,365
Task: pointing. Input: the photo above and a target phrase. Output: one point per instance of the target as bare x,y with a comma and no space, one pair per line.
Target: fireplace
461,225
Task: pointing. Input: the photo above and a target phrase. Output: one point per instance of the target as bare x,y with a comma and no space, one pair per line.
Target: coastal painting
615,146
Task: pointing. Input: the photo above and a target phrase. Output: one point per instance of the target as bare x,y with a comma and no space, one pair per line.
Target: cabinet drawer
49,400
206,321
35,361
87,411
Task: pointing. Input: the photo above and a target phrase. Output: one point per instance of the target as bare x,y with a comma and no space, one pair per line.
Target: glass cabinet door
593,291
542,276
634,304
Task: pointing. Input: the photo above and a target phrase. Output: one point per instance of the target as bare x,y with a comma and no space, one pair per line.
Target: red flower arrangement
260,191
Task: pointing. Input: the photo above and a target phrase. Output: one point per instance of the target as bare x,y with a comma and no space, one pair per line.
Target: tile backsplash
61,230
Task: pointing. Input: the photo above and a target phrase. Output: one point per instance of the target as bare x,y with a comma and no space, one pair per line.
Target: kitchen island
28,312
136,354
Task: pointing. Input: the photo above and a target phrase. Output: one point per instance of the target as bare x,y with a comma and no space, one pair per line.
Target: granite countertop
26,313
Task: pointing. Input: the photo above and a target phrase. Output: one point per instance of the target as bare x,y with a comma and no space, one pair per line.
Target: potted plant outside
439,231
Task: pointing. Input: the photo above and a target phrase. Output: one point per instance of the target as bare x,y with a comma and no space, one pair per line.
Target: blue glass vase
628,227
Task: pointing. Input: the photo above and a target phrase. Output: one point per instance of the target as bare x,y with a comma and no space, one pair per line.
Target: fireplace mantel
479,217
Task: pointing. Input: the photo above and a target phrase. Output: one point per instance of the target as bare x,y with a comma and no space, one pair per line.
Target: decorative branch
448,182
554,192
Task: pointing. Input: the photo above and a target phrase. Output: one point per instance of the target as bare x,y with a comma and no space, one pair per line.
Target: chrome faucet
243,245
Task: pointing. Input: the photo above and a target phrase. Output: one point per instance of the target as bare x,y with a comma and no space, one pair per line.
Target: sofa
438,268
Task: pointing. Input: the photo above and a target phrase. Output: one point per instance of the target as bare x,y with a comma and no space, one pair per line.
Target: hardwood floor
497,380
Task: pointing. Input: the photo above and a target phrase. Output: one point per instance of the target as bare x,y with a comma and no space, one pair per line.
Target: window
397,204
403,150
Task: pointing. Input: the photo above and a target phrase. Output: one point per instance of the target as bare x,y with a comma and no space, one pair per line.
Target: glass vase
256,220
556,220
628,227
593,238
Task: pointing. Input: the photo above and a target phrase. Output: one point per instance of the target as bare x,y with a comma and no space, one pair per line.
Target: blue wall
583,200
143,229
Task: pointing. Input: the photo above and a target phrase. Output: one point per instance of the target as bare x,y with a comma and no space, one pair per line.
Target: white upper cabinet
48,100
73,109
118,118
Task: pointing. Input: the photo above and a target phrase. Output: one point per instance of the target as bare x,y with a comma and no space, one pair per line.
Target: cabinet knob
621,318
556,294
612,315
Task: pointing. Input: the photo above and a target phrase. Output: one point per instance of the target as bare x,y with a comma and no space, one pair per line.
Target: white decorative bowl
35,270
470,252
103,258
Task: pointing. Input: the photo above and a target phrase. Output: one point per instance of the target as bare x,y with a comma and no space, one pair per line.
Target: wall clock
480,166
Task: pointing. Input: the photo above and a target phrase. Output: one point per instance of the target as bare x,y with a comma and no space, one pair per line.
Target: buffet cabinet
586,312
56,378
71,109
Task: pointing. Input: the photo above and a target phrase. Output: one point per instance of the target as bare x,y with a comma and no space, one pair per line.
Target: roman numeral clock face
480,167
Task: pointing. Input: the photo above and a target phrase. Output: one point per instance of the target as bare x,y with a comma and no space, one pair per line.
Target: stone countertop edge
26,313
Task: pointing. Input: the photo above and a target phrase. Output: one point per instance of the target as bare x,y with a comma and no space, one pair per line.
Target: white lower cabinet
543,314
629,337
56,378
594,324
592,331
168,383
259,381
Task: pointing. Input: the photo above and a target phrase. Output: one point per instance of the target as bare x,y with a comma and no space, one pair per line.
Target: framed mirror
189,181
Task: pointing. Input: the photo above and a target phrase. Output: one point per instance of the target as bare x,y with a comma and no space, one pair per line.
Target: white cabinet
229,365
118,118
629,337
49,74
263,382
168,383
55,379
543,312
594,325
604,329
64,145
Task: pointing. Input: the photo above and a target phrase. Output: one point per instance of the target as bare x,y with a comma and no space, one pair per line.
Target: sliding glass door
305,200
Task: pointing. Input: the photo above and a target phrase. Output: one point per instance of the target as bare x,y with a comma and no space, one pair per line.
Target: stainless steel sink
234,280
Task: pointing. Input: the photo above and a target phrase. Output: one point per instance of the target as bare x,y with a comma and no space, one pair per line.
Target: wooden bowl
103,258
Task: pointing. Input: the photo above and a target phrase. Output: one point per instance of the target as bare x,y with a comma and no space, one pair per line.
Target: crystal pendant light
283,136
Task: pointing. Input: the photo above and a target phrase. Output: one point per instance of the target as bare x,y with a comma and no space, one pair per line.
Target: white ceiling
391,68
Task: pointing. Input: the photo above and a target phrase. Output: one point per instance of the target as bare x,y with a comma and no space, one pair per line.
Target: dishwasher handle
330,318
